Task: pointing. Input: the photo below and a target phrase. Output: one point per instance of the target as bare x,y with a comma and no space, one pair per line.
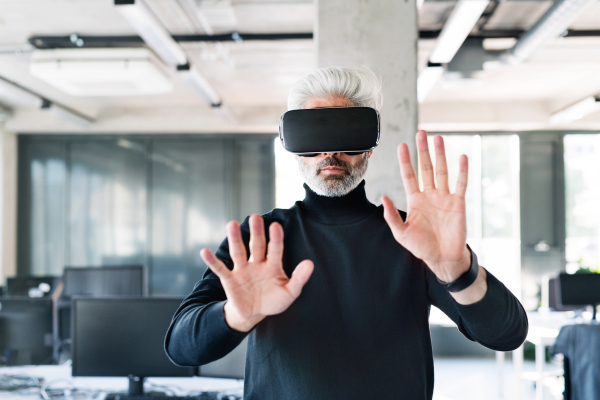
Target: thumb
392,216
299,277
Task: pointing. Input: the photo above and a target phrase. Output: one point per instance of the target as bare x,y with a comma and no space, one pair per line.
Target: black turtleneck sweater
359,330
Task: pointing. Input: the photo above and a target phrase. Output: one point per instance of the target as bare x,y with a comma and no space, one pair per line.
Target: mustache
333,162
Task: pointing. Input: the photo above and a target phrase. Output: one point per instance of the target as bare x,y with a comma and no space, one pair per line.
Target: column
8,204
382,35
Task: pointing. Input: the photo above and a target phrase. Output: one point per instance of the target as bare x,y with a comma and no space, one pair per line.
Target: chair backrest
105,281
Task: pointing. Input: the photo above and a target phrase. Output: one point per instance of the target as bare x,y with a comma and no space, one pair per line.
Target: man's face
333,174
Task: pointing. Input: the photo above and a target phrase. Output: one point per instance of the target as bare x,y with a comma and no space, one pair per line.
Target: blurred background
131,132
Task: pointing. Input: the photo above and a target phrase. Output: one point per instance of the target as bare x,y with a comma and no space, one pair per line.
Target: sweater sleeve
497,321
198,333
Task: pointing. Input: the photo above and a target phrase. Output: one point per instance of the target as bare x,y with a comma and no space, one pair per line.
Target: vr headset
309,132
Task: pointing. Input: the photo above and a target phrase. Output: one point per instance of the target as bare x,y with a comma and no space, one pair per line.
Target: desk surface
545,326
59,376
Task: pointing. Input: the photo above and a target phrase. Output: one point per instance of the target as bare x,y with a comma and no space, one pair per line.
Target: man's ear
296,156
370,153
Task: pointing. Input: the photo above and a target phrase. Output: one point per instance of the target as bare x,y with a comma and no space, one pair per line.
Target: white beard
333,185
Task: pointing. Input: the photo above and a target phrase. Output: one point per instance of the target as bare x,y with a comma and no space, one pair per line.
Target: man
337,308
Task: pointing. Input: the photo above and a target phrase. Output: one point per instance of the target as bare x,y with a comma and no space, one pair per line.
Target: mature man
338,307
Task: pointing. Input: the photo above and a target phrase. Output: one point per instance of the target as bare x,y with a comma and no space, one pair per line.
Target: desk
60,376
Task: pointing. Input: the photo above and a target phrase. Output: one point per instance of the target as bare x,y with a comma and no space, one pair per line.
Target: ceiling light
461,21
17,96
151,30
576,111
101,72
199,84
552,24
427,80
66,114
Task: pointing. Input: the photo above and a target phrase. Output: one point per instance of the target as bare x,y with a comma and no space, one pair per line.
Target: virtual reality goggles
309,132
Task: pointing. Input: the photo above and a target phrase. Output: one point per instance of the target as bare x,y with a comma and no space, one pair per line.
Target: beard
334,185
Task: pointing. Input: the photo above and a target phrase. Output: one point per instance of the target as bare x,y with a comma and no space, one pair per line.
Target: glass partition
151,200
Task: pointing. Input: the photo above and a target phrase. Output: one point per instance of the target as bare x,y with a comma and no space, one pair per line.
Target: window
492,202
582,195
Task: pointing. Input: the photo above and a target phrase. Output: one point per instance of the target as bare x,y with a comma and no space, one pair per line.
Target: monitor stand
136,385
136,388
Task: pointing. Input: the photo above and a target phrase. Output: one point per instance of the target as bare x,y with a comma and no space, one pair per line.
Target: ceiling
253,77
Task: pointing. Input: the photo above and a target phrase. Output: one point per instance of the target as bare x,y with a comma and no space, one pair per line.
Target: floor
478,379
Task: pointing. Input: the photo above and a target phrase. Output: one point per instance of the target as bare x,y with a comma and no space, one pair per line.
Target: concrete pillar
8,204
382,35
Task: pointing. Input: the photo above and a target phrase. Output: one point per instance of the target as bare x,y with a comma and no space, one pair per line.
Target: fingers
215,265
299,277
441,167
409,178
257,238
237,250
463,174
392,216
275,248
425,161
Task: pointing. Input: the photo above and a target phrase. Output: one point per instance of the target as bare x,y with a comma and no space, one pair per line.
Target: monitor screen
231,366
105,281
123,336
579,289
32,286
25,331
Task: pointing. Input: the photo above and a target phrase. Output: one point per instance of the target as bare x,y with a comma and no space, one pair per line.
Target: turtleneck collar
347,209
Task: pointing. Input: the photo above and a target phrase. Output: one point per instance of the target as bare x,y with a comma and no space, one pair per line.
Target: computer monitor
232,365
554,297
25,331
105,281
123,337
127,280
31,286
580,289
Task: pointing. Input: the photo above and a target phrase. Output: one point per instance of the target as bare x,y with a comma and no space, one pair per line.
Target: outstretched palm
435,229
256,287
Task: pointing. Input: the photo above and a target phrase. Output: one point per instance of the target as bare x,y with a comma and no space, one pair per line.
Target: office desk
59,376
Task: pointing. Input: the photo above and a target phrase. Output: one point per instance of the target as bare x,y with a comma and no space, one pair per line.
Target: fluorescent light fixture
66,114
17,96
427,80
151,30
461,21
199,84
101,72
552,24
576,111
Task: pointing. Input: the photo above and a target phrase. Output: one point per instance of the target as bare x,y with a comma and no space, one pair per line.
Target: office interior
132,131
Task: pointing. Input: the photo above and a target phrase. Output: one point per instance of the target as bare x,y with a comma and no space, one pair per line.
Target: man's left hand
435,229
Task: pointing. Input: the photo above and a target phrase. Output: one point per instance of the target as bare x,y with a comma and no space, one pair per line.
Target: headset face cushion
329,130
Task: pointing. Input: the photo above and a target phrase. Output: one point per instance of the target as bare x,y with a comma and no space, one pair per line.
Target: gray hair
360,86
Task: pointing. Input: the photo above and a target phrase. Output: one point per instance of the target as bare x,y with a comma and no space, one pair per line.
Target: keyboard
162,396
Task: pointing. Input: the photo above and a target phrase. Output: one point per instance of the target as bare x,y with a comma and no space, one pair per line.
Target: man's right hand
256,287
